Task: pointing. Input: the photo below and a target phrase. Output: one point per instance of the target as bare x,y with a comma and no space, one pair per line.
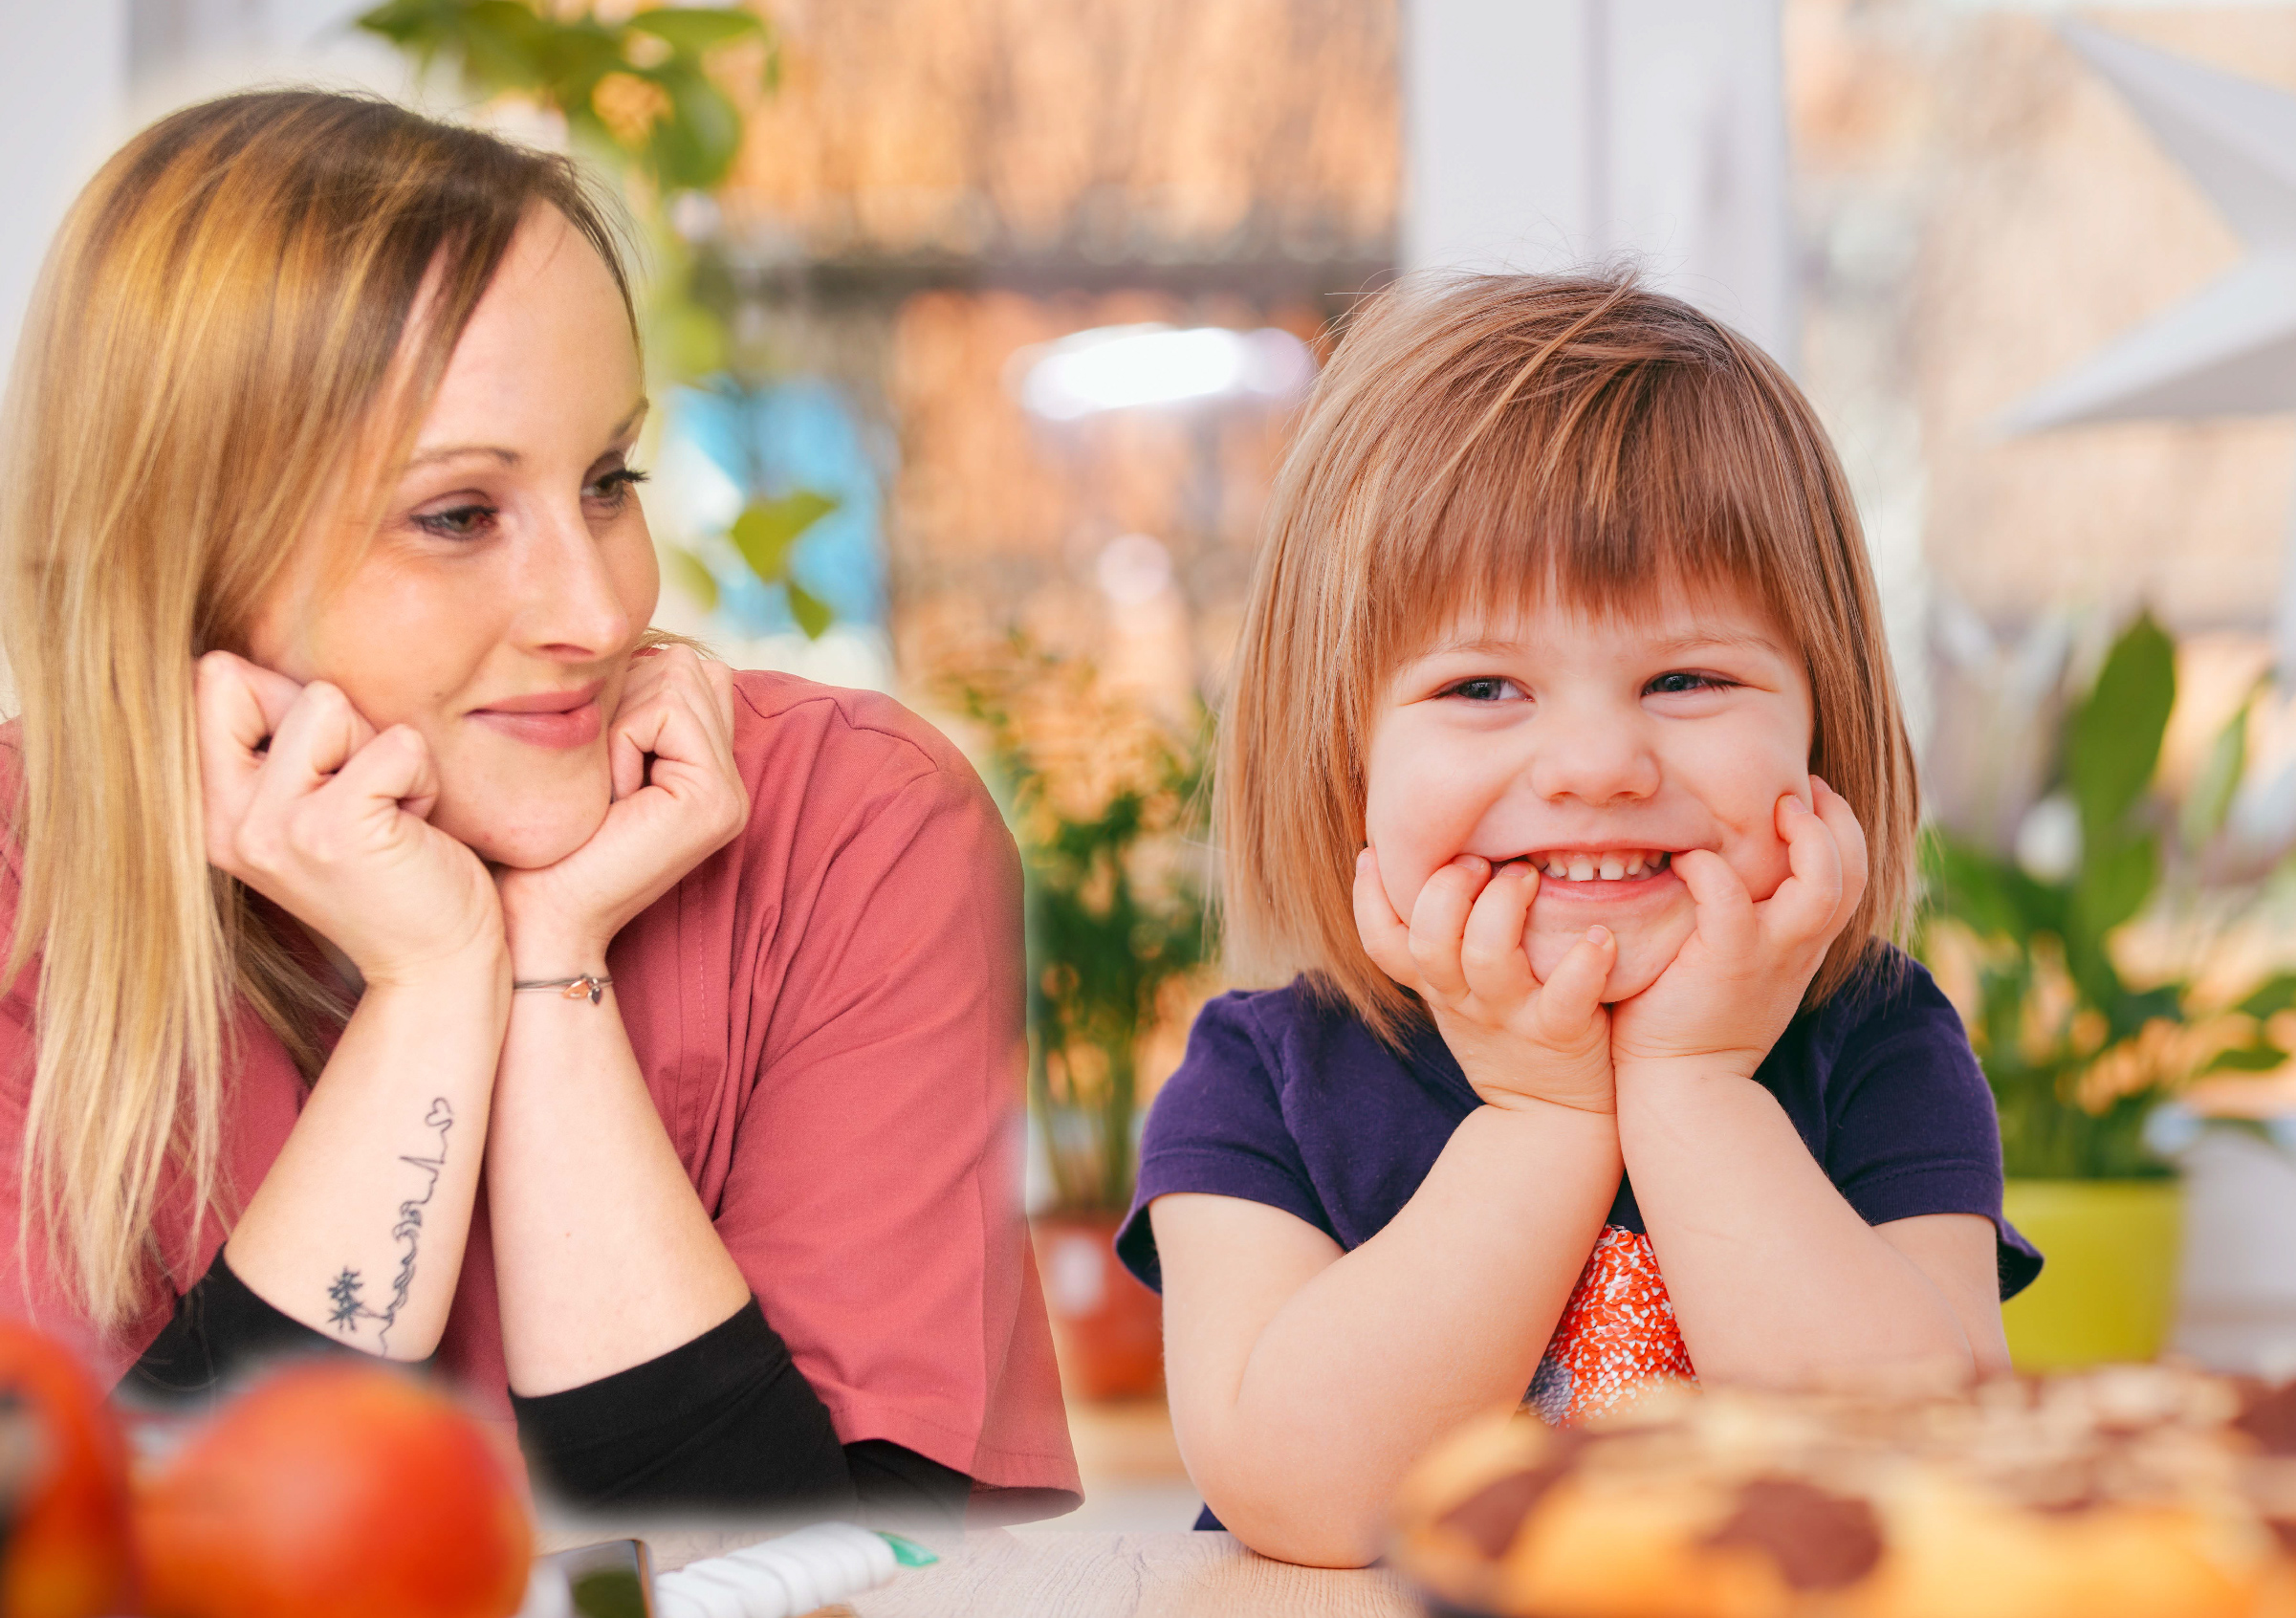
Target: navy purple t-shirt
1286,1098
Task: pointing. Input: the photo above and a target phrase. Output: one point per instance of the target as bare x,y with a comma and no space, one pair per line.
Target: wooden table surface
1045,1572
1051,1573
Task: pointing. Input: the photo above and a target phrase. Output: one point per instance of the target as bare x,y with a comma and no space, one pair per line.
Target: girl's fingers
1573,991
1439,920
1725,913
1491,953
1849,838
1384,937
1805,904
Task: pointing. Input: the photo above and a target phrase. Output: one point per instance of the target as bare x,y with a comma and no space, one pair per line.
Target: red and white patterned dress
1617,1336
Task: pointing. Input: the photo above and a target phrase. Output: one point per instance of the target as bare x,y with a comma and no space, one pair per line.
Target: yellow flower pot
2108,1289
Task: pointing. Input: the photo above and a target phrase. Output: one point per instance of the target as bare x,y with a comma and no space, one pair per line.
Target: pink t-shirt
829,1015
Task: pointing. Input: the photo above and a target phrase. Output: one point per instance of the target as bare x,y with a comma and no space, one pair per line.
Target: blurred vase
1106,1328
2108,1289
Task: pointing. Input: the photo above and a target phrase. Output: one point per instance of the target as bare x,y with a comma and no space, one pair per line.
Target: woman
415,956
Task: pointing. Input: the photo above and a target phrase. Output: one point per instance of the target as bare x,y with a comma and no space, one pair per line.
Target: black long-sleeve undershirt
723,1423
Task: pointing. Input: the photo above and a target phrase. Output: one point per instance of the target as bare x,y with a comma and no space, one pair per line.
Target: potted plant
1102,795
2079,1057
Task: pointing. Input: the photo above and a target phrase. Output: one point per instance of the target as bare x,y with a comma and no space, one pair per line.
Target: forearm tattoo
346,1292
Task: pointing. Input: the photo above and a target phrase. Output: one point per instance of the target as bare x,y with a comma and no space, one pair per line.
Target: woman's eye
457,522
1485,687
1680,681
613,489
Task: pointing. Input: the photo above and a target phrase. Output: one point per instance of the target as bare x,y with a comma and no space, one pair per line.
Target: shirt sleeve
1217,1126
219,1334
873,1196
1912,1128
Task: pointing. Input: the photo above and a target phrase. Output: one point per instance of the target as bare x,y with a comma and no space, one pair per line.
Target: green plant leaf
812,613
2275,994
698,29
693,147
694,576
2210,799
766,530
2113,742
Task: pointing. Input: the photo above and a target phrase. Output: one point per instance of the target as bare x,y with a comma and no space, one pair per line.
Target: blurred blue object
770,441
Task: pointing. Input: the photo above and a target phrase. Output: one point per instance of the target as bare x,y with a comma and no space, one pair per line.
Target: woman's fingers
237,705
1439,921
319,734
1491,952
1384,937
1573,991
393,772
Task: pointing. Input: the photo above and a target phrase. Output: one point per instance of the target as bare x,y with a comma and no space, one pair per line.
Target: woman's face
498,608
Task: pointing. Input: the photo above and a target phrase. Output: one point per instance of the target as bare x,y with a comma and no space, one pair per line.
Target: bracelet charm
585,987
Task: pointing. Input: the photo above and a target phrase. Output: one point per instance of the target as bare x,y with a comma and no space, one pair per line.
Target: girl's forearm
1775,1278
603,1256
359,1226
1441,1315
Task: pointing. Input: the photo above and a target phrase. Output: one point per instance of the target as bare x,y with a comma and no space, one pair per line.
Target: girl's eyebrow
1706,640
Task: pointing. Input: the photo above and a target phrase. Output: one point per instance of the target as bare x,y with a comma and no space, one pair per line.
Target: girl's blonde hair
219,361
1483,442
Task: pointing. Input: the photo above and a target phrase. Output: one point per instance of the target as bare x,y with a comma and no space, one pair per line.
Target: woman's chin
528,837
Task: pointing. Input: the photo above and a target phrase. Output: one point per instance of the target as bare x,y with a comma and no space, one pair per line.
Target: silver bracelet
586,987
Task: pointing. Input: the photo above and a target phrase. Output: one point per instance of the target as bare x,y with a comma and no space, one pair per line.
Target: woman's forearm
1775,1278
604,1257
1300,1431
359,1226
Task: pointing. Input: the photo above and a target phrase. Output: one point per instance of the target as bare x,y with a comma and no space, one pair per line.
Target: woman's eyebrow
511,457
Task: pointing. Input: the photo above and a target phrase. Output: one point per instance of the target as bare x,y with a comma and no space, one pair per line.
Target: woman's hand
1519,1040
1739,976
313,808
667,817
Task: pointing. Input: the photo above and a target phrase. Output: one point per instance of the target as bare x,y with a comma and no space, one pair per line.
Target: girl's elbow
1285,1536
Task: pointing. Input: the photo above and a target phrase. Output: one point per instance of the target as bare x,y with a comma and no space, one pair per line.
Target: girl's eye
1681,682
457,522
612,490
1485,687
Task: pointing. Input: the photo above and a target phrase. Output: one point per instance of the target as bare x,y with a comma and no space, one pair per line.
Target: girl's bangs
1602,493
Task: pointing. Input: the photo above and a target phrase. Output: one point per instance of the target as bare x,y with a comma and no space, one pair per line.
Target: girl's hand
1518,1040
310,807
1739,977
677,711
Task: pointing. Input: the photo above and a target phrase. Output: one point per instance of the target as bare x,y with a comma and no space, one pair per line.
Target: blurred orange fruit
339,1489
65,1550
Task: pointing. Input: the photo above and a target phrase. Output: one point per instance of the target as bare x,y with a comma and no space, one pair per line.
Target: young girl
1565,779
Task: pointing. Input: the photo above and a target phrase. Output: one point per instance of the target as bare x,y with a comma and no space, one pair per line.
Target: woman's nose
1596,759
571,607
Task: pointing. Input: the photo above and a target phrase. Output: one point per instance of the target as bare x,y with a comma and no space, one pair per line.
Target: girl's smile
1594,749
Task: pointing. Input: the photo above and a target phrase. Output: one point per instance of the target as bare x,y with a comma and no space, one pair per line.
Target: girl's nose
1597,759
572,608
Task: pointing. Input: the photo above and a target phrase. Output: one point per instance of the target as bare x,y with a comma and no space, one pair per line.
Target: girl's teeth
1613,867
1582,868
1634,864
1557,870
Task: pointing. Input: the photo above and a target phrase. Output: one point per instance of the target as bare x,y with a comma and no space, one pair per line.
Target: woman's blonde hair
1482,442
219,361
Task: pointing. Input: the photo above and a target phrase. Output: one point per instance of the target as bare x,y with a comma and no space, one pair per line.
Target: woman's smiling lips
554,719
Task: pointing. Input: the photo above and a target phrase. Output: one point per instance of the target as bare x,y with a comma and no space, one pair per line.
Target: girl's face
498,608
1594,748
